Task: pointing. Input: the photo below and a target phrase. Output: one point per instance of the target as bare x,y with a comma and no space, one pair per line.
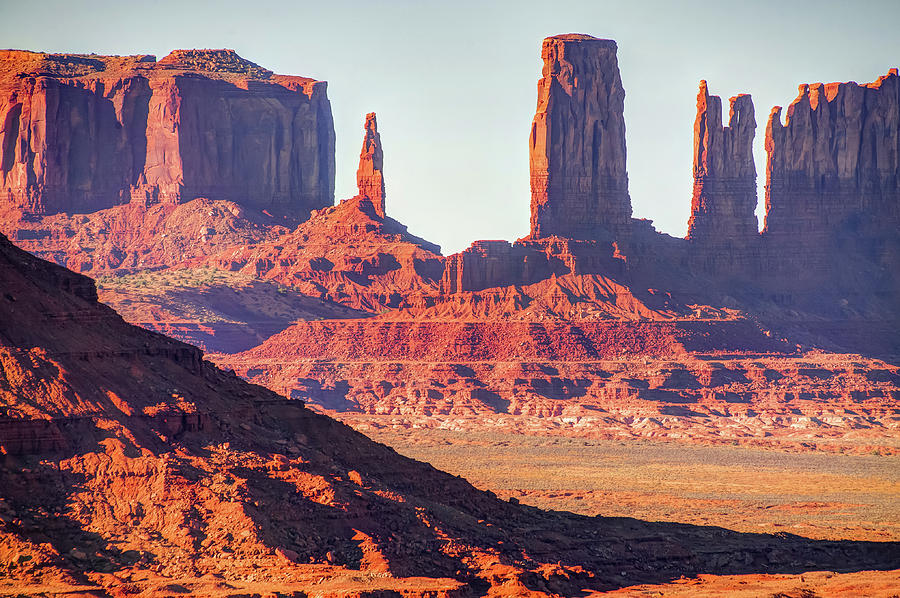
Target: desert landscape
215,380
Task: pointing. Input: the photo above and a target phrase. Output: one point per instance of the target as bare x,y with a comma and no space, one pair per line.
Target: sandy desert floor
822,496
817,495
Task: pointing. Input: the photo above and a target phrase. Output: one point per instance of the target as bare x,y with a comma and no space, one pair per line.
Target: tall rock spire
369,176
724,202
579,186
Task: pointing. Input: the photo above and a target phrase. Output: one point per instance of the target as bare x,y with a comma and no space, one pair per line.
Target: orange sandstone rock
79,133
369,175
579,186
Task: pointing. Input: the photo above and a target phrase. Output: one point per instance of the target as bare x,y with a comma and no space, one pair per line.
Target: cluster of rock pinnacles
83,133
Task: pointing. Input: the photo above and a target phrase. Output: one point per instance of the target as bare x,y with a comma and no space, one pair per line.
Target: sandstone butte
82,133
133,466
642,337
579,187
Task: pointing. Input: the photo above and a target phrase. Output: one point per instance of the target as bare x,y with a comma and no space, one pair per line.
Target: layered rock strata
833,178
82,133
369,175
724,199
498,263
579,185
125,456
347,254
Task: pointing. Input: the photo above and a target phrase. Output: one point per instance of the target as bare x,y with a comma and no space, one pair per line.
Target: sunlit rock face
370,175
82,133
833,186
579,186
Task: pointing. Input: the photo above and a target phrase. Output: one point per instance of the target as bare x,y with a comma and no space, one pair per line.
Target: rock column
369,175
724,201
579,185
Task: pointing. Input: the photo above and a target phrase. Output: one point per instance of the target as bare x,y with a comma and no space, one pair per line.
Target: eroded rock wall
579,185
724,199
84,133
833,186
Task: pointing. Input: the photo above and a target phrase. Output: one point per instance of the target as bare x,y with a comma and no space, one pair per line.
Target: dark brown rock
84,133
579,185
369,176
724,200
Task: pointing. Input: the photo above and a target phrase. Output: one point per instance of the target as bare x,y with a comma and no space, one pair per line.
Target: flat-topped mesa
724,200
369,175
837,156
80,133
579,185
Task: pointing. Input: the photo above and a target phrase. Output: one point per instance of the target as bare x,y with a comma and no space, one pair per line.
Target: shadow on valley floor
177,511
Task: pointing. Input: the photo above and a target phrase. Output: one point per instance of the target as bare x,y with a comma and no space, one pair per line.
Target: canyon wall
83,133
579,186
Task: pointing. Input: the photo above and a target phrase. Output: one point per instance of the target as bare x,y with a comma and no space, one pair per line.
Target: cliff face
833,172
488,264
579,186
369,175
84,133
837,153
724,200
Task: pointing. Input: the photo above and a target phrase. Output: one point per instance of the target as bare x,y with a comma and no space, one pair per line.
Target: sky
454,83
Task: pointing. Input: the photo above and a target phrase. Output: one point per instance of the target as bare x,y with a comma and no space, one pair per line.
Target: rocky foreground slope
131,465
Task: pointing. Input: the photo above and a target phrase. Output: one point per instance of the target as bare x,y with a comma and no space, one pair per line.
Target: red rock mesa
81,133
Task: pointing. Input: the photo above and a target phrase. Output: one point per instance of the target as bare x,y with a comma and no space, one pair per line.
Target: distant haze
454,83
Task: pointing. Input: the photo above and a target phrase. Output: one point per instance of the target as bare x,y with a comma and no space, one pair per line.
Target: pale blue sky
454,83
